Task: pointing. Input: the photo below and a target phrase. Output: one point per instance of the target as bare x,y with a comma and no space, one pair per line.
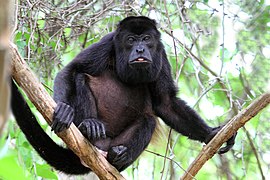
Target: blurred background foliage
220,55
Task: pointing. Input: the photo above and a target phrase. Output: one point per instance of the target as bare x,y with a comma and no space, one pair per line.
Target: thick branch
226,132
45,105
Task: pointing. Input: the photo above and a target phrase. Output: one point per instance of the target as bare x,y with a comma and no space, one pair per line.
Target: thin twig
166,152
157,154
255,152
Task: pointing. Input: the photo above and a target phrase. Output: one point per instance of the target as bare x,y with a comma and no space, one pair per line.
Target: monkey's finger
102,131
66,111
97,130
85,129
70,118
56,127
93,131
228,146
53,125
56,111
225,149
60,110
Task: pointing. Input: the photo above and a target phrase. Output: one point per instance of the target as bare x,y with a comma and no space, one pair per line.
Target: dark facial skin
139,45
113,91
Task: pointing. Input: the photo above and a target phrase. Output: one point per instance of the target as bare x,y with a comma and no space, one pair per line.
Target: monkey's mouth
140,60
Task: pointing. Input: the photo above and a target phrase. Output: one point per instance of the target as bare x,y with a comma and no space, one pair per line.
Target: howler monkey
113,91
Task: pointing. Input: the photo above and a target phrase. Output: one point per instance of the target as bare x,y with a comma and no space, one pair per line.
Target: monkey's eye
146,38
130,40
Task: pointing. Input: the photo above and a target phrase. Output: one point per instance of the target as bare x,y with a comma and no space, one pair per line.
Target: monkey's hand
92,129
62,117
229,143
118,157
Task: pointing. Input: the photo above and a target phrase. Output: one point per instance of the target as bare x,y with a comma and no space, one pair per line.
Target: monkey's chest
118,104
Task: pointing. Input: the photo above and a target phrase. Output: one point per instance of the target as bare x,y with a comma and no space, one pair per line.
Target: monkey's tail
60,158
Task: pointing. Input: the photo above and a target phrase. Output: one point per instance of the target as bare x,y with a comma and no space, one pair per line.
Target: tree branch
226,132
45,105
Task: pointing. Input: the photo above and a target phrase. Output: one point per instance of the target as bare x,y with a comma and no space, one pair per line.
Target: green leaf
10,169
45,171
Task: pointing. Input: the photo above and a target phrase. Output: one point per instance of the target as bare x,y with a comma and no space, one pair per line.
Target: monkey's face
138,51
140,47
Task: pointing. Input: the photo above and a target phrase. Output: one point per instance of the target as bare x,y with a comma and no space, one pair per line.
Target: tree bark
45,105
226,132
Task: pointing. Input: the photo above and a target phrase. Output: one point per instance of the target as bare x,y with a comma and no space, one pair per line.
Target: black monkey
113,91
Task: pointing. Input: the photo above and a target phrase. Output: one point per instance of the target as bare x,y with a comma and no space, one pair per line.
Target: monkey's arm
177,114
70,81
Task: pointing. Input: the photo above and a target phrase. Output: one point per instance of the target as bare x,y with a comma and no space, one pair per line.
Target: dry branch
45,105
226,132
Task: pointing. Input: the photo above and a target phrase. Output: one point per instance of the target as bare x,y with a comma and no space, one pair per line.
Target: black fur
113,91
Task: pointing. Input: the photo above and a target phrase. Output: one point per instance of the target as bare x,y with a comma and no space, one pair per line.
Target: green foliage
10,168
45,171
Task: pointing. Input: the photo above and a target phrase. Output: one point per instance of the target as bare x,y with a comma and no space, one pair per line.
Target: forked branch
226,132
